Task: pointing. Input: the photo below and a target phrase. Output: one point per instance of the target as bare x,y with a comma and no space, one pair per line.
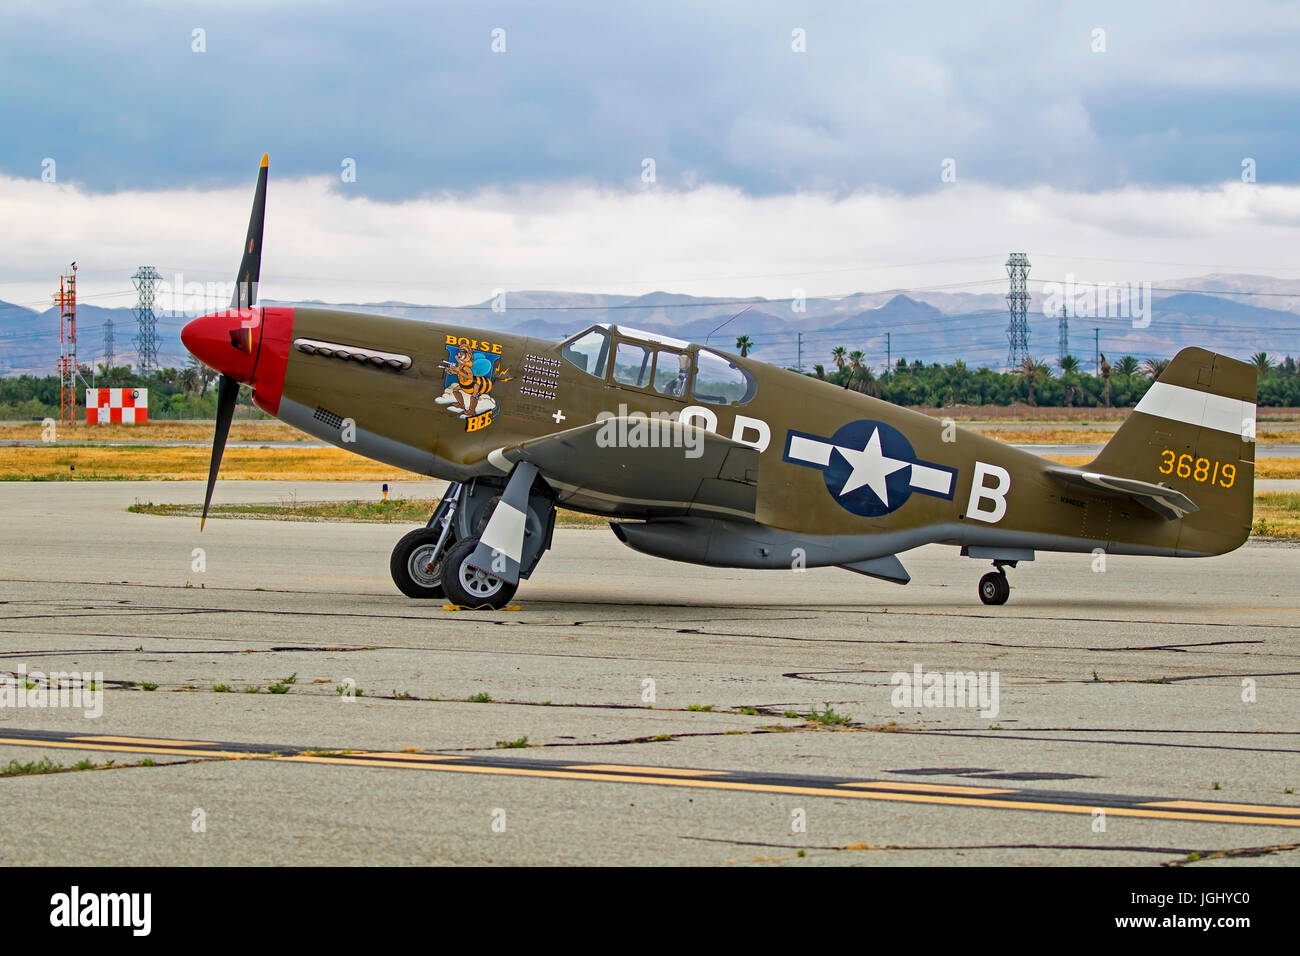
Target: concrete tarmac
632,710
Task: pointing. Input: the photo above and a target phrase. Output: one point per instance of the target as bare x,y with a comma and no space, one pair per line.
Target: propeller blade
250,271
227,392
250,266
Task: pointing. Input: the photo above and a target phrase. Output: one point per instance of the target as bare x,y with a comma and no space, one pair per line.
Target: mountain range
1236,314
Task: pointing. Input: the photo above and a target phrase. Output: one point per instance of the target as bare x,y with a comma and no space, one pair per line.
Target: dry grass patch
1277,514
54,463
267,430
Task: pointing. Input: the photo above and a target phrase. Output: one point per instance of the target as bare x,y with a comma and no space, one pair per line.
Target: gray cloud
712,92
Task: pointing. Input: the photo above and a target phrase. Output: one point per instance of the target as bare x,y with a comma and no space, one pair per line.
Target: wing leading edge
687,470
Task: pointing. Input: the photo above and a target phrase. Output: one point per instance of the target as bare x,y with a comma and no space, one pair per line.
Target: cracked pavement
1123,686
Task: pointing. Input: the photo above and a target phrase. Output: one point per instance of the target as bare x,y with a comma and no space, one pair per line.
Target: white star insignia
871,467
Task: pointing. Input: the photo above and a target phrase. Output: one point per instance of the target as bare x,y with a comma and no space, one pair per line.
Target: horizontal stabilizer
1166,502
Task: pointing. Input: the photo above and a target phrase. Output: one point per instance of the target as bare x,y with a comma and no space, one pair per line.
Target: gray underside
739,545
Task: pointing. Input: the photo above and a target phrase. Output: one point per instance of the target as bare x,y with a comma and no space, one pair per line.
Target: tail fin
1194,431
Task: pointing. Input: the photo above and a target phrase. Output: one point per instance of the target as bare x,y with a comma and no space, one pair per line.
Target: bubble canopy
714,378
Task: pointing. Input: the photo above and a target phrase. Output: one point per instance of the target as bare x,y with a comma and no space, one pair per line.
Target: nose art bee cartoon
470,376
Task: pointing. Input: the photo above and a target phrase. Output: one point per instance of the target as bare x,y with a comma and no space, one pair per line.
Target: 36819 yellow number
1203,470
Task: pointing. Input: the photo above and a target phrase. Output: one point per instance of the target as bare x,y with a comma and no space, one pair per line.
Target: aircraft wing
1166,502
686,470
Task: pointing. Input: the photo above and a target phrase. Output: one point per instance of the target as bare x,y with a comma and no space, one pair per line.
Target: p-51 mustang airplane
705,457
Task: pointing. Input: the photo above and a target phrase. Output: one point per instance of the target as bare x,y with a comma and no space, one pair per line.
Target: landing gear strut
994,587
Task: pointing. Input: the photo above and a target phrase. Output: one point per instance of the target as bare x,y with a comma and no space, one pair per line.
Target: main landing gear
994,587
439,561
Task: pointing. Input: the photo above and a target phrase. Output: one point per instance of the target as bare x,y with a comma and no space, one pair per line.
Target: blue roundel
869,458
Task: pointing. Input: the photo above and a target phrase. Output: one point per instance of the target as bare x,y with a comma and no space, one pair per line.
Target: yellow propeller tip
202,522
266,160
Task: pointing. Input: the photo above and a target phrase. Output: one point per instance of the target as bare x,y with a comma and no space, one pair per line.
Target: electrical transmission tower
1018,304
109,344
146,342
1063,346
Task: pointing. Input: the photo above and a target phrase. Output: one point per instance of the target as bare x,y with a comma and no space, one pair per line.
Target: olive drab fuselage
468,393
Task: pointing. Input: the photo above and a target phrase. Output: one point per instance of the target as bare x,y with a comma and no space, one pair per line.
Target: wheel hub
478,583
424,566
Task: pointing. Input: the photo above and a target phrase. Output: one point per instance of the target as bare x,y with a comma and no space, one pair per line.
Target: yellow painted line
354,760
155,741
1239,807
657,771
126,748
394,755
1177,810
953,801
927,787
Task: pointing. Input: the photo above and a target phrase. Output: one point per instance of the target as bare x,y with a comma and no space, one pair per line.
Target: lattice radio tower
1018,304
66,300
146,341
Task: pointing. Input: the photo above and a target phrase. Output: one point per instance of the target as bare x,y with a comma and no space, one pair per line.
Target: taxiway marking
952,795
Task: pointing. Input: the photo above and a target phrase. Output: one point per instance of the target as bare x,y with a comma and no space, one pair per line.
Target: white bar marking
505,531
931,479
813,452
1204,409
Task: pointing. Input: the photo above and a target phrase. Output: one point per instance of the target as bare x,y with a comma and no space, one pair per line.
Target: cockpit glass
632,365
719,382
588,351
672,369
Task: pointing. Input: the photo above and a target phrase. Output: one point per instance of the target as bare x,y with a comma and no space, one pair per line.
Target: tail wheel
416,569
995,588
469,586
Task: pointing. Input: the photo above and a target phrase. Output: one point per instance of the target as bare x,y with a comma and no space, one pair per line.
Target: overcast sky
774,168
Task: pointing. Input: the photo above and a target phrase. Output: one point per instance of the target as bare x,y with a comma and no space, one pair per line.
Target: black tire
414,575
994,588
486,515
470,587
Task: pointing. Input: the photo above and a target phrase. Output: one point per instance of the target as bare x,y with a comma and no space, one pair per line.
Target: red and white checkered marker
129,405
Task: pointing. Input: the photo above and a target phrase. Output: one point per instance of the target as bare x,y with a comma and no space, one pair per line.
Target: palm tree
205,375
839,354
1105,377
188,379
1154,368
855,367
820,372
1031,370
743,344
1128,366
1262,362
1069,377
